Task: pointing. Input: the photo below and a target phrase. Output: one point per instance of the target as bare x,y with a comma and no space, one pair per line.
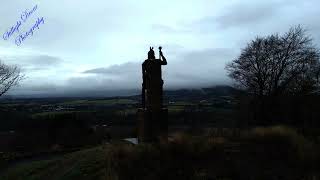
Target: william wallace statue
152,116
152,86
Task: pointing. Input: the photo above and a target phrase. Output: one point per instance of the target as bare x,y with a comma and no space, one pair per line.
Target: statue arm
164,60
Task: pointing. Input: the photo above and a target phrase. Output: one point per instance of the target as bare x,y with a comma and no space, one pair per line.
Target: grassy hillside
85,164
263,153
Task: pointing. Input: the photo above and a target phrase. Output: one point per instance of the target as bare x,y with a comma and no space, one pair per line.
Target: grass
86,164
175,109
299,148
260,154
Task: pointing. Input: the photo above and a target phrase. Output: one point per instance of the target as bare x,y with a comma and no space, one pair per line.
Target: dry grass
301,148
263,154
279,149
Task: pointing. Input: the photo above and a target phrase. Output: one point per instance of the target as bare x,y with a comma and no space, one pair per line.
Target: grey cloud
44,60
244,14
241,15
42,88
101,83
199,68
115,69
191,69
34,62
97,71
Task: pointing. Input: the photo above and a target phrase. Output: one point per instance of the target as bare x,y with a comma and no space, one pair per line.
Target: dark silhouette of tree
10,76
275,65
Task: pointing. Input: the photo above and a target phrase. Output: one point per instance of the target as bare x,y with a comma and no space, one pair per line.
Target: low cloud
194,69
191,69
44,60
126,68
33,62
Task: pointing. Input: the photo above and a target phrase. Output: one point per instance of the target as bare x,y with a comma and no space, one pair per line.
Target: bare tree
10,76
278,64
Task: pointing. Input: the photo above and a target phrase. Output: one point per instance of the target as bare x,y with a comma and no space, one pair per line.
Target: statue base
152,125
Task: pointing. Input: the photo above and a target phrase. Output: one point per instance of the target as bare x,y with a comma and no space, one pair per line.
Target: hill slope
264,153
85,164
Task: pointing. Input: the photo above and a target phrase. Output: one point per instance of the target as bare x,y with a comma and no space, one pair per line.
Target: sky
98,45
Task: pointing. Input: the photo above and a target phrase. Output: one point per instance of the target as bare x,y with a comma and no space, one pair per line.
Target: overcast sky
98,44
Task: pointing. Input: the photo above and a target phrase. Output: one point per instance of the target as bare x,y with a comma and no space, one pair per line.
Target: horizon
104,94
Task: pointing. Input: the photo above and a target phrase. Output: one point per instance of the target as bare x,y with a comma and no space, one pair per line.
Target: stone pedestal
152,126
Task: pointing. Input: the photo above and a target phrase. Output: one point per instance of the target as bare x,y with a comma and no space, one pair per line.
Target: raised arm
164,60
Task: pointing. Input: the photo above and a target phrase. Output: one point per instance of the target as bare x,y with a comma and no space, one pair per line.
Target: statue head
151,54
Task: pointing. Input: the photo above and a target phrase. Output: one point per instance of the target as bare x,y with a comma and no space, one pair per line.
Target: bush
265,152
284,143
184,157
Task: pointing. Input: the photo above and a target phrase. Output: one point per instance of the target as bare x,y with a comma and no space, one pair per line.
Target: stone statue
152,80
152,116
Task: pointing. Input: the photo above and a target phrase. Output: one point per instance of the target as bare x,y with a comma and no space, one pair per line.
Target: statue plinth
153,126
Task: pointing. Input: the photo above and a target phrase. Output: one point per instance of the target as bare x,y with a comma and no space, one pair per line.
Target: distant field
174,109
56,113
100,102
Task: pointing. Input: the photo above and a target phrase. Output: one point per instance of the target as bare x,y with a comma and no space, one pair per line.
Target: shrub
279,150
285,142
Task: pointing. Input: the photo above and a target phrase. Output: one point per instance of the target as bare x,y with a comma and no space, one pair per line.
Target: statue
152,81
152,116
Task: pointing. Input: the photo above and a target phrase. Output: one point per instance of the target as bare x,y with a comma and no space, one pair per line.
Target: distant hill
75,94
222,91
204,92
